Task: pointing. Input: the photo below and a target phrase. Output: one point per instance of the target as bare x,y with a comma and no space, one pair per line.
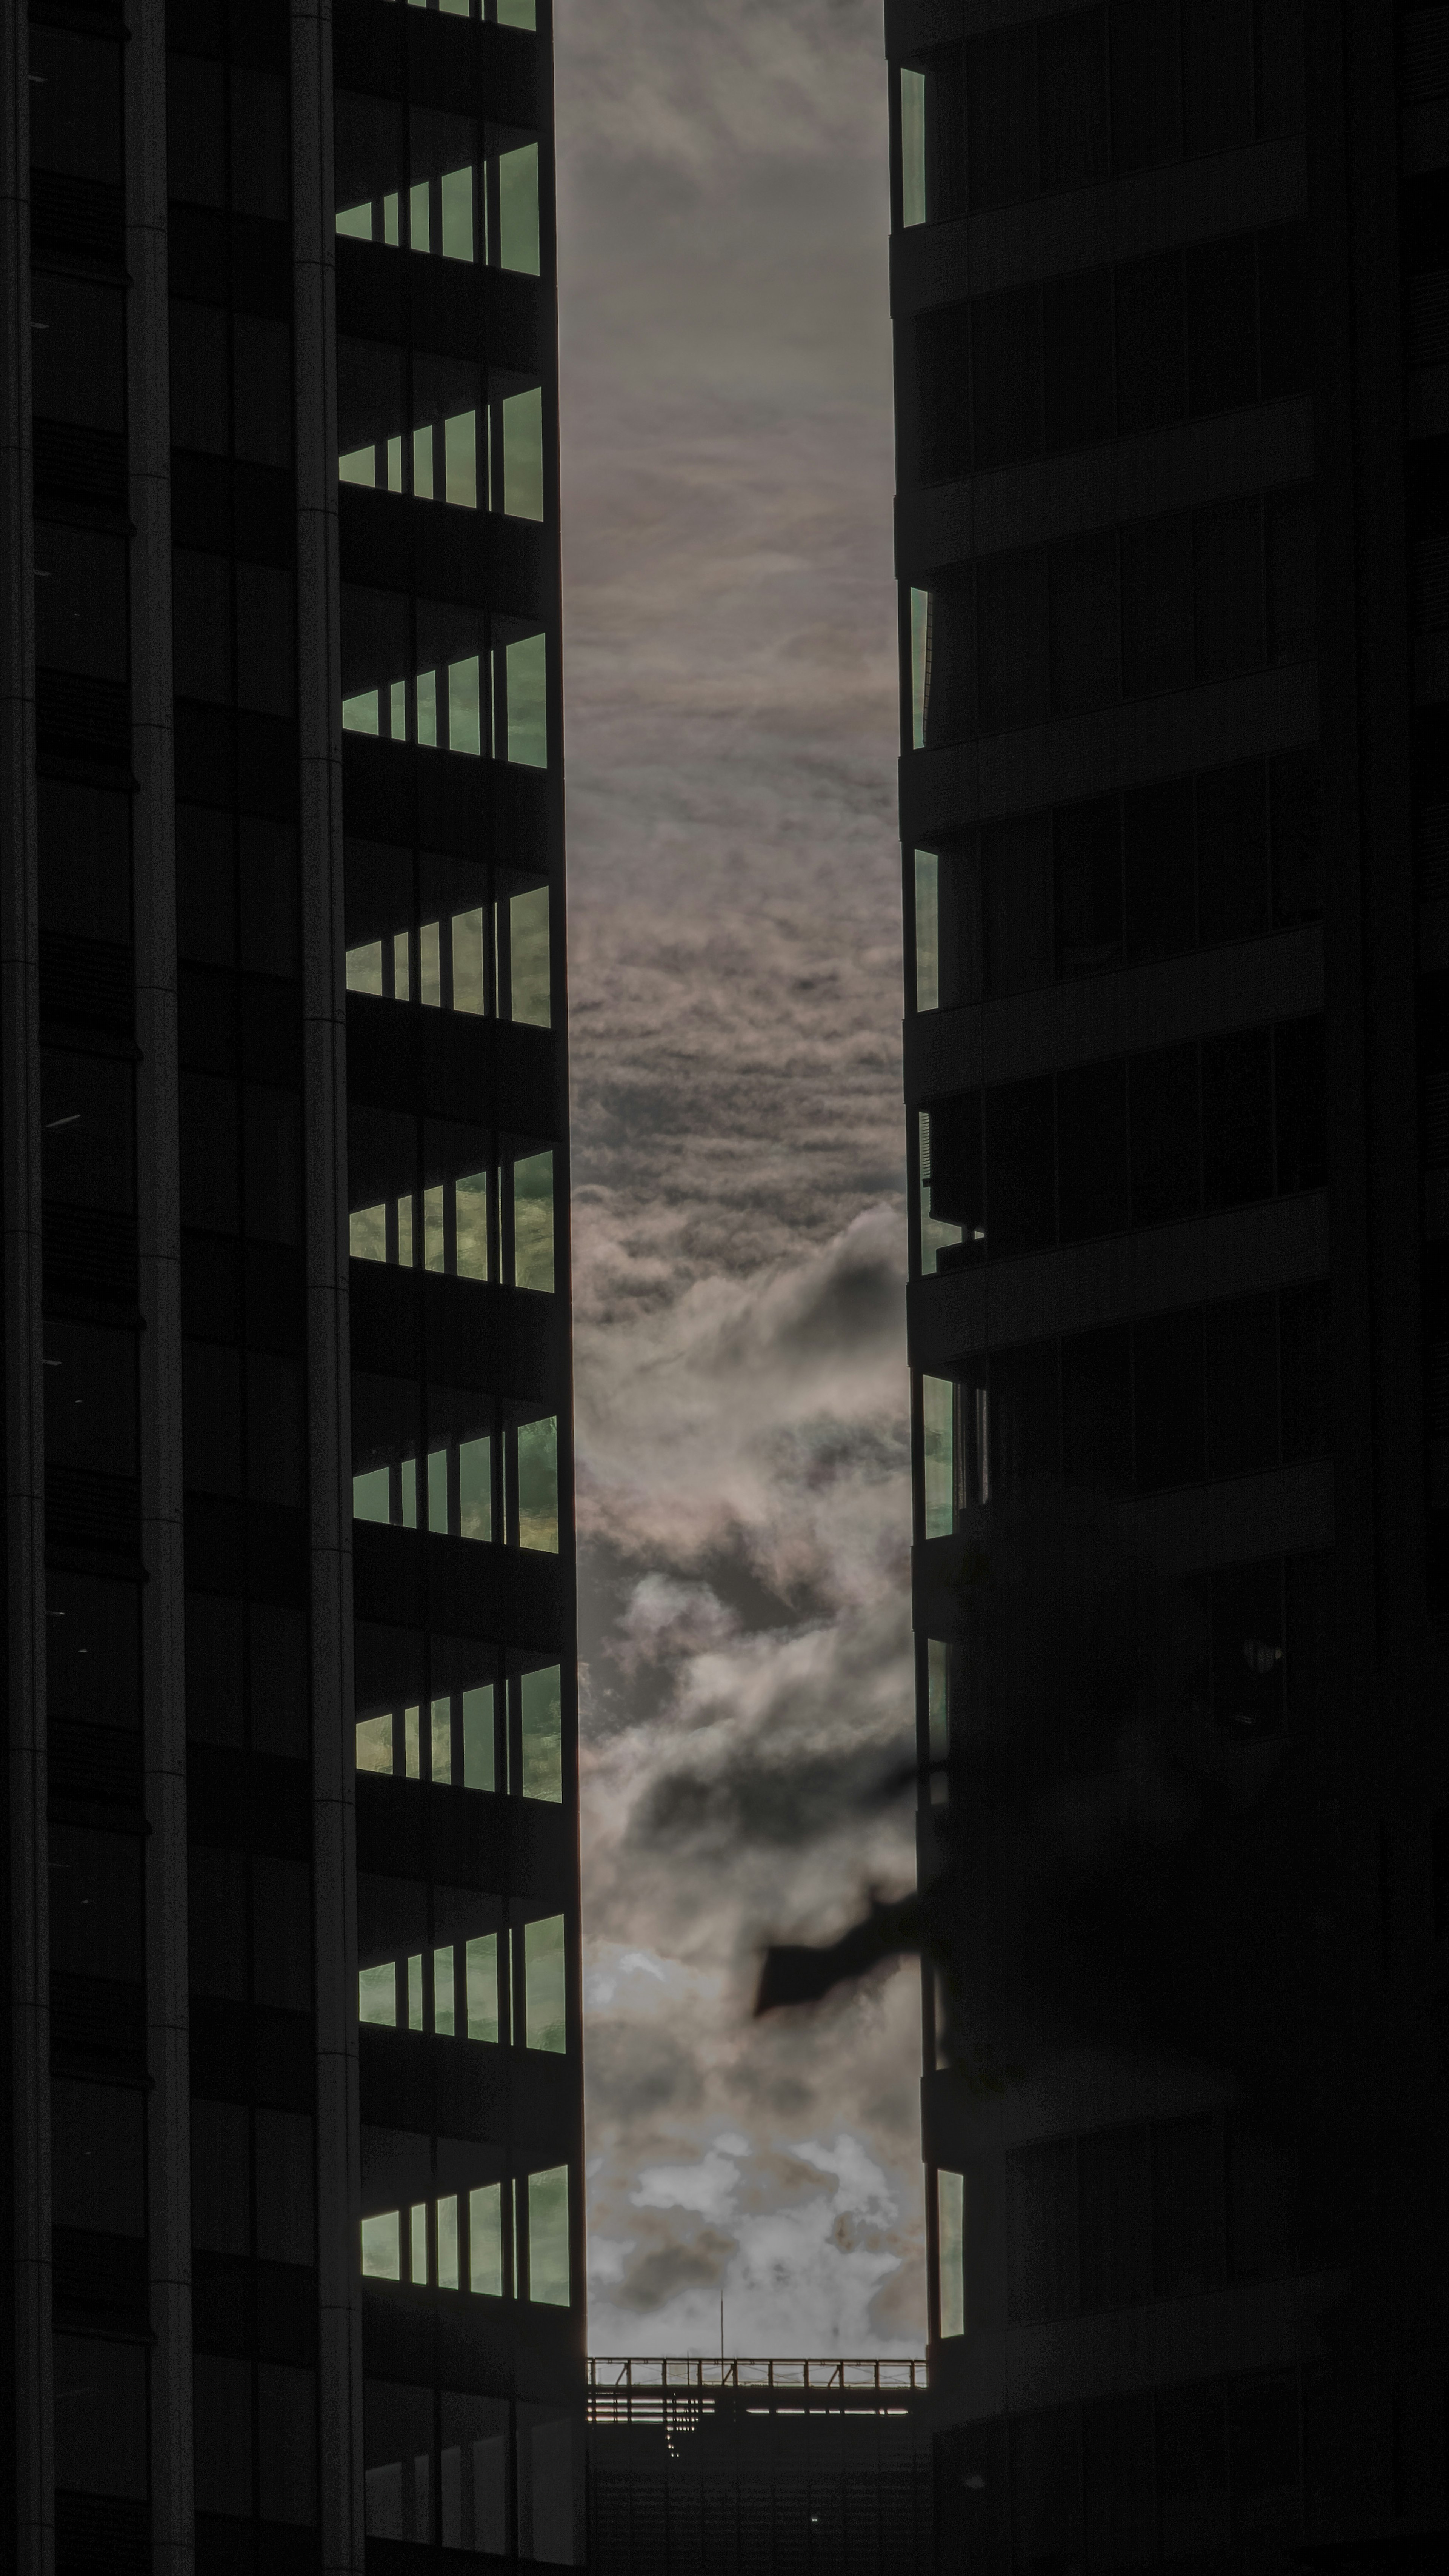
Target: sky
739,1238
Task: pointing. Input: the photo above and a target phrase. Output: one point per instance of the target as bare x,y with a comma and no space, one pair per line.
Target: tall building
291,2163
1171,298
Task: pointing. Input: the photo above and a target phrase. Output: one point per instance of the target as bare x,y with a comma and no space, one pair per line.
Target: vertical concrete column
329,1408
158,1180
25,2176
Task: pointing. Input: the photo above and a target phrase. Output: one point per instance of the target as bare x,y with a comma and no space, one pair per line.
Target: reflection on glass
521,430
542,1734
434,200
479,1760
502,13
420,672
445,964
481,1971
533,1222
543,1985
450,964
518,209
447,1228
457,1743
377,1995
548,2237
528,957
485,2240
951,2237
380,2247
538,1485
928,930
526,694
448,2243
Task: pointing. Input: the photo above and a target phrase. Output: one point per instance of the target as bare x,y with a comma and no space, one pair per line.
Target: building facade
292,2150
759,2468
1171,293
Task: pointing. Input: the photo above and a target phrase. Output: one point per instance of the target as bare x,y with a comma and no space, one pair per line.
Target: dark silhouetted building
759,2468
291,2172
1171,297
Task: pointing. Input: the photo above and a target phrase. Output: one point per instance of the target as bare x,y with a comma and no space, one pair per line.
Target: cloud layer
735,1008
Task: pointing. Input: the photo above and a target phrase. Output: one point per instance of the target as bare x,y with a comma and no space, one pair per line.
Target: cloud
735,971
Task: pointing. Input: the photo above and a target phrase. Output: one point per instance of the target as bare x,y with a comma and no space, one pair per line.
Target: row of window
1114,880
497,13
1127,613
438,2470
1140,1140
1160,2210
1169,2478
482,1487
1095,94
415,424
462,1989
457,2243
470,1739
425,181
1109,352
1242,1676
419,931
470,1226
1231,1389
484,704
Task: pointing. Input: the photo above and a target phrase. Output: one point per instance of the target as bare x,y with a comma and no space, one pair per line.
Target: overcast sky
739,1231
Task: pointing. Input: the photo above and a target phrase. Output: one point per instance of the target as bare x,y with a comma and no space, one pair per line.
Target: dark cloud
636,2072
654,2278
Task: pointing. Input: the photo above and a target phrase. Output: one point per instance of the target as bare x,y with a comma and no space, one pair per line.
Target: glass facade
466,1988
291,1577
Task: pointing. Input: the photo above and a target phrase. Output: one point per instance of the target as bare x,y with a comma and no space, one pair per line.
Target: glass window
377,1994
284,2187
550,2487
537,1456
528,953
520,418
485,2241
938,1234
286,2443
222,2433
951,2262
481,1959
479,1759
920,665
548,2237
398,2449
533,1221
545,2024
525,674
518,209
938,1406
938,1716
913,147
473,2466
542,1735
928,931
98,2145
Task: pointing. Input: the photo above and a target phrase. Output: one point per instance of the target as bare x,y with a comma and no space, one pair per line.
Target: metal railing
654,2386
